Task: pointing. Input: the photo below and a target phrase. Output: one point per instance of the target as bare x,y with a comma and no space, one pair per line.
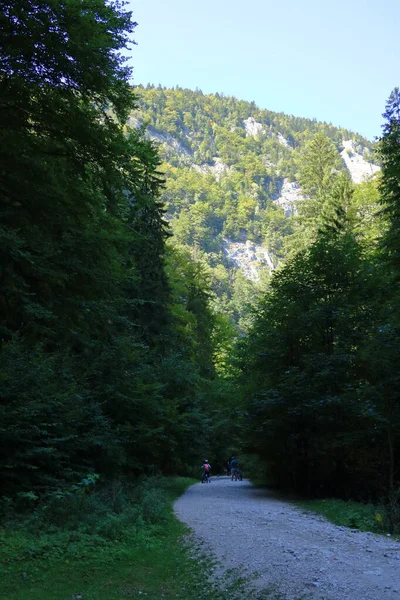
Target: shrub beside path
298,554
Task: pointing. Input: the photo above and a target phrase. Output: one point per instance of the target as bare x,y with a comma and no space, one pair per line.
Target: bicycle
236,475
205,478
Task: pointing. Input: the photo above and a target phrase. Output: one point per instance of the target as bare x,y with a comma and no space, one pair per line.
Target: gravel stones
296,553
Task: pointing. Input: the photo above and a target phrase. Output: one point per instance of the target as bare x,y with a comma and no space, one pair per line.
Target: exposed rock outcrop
358,167
252,126
217,169
170,143
282,140
249,257
168,140
289,196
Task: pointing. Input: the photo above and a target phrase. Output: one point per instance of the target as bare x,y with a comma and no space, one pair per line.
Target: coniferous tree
85,303
384,379
389,152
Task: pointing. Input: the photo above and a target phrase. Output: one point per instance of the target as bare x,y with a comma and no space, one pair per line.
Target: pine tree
389,152
82,242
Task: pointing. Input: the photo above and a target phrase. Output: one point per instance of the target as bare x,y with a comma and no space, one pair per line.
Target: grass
381,518
110,546
365,517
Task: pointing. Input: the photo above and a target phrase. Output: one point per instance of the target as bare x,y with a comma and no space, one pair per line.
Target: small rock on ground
301,555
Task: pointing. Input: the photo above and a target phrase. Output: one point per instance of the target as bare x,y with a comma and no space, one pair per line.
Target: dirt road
297,554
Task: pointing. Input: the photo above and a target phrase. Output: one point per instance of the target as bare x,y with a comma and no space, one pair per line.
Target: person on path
234,465
206,468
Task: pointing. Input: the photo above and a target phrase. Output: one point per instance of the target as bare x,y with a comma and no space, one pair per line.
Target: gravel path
301,555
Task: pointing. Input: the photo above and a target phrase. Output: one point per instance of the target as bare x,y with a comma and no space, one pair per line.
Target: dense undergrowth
118,542
73,542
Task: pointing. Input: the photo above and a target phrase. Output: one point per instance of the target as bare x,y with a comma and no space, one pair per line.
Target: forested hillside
182,275
302,209
319,366
121,302
107,338
232,180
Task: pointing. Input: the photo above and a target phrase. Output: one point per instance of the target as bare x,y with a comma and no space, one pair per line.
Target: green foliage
316,163
389,153
319,367
222,183
299,364
89,532
378,518
115,346
367,213
107,545
212,125
105,358
346,513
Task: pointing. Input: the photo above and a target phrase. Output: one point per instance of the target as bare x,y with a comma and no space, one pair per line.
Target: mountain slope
231,170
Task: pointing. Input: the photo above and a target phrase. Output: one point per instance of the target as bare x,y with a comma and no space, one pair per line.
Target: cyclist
234,466
206,468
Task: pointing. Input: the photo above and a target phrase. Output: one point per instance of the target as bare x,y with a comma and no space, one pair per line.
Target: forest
233,175
130,347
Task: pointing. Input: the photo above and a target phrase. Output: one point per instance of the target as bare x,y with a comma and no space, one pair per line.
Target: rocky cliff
250,154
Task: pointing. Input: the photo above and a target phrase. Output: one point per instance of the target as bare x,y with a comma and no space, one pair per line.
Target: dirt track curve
297,554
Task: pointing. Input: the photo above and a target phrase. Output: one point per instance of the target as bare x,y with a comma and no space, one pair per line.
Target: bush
71,524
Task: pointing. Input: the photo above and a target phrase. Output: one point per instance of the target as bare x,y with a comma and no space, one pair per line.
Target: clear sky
335,60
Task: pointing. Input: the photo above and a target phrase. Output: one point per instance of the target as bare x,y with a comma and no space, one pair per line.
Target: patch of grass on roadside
364,517
100,550
109,545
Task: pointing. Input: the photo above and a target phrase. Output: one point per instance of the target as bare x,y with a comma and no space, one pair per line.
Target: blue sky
334,60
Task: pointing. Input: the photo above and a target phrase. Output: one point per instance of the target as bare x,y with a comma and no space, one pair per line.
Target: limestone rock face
282,140
358,167
290,194
249,257
169,141
252,127
217,169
